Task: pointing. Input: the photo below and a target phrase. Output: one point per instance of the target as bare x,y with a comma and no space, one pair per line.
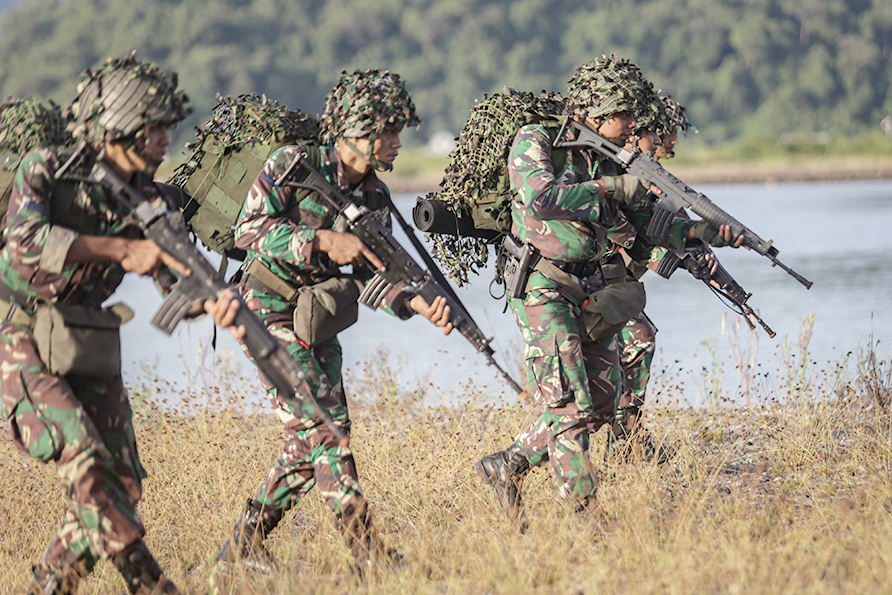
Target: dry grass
790,497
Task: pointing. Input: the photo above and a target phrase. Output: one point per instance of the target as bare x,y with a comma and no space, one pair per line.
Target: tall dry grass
793,496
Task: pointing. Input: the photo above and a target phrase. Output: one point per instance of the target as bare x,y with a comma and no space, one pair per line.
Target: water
837,235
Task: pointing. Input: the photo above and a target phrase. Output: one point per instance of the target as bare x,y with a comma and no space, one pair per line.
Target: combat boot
370,555
141,572
55,582
627,432
245,547
503,471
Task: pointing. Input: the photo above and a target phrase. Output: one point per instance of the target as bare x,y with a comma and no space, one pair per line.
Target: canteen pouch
607,311
324,309
79,340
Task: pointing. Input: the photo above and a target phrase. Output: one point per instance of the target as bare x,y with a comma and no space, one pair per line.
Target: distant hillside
742,67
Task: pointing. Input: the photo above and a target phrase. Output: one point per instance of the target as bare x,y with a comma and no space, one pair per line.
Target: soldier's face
668,149
648,141
619,126
157,141
144,156
387,145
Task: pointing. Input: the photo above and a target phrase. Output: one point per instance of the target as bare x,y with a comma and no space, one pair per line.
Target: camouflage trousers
311,454
576,383
84,426
637,344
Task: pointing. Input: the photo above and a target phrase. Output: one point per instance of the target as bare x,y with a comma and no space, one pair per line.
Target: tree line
742,67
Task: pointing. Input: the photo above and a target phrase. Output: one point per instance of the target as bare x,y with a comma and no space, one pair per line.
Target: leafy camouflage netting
242,120
608,85
676,116
366,102
476,180
27,124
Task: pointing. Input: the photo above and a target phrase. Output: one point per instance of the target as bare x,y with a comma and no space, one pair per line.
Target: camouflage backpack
476,184
27,124
229,151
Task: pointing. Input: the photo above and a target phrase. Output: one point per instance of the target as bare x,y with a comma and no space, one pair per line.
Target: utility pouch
607,310
514,263
80,340
324,309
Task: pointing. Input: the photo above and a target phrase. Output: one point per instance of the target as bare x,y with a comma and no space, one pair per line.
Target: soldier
292,241
67,250
576,217
657,136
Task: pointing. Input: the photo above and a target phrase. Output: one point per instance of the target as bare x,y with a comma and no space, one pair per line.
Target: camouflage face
608,85
365,103
124,98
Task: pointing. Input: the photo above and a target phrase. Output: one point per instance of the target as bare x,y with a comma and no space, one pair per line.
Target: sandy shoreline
722,173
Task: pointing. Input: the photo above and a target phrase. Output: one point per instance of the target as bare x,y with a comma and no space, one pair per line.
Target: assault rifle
400,266
165,227
675,195
720,282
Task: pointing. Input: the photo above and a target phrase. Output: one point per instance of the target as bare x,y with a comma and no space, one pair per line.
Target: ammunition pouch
79,340
321,310
324,309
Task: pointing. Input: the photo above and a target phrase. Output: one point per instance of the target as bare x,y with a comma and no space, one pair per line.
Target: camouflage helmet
653,116
608,85
30,123
365,103
676,117
120,99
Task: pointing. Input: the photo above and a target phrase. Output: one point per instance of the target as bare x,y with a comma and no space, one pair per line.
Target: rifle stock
675,193
166,229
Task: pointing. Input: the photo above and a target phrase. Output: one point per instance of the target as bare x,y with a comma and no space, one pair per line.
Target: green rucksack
27,124
229,152
476,183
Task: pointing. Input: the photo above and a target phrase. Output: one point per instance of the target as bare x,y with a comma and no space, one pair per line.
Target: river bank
717,172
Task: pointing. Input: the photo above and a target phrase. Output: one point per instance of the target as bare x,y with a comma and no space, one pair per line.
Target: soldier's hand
345,248
224,310
145,257
706,233
437,313
626,189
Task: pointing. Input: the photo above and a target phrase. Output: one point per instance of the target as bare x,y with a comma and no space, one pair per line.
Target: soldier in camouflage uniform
657,136
577,218
295,238
77,255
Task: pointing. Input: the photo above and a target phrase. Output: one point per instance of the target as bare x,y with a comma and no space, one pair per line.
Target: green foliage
741,67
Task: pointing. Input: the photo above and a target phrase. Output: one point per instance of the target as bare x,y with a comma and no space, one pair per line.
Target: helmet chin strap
369,155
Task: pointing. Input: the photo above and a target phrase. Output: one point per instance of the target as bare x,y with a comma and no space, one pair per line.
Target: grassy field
792,496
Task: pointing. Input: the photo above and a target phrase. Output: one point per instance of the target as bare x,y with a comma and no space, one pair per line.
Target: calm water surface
837,235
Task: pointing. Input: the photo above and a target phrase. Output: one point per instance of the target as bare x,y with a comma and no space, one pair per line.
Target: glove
626,189
697,265
708,234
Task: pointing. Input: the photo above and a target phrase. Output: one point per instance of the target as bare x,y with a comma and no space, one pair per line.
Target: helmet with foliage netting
608,85
28,123
120,99
365,103
653,117
676,117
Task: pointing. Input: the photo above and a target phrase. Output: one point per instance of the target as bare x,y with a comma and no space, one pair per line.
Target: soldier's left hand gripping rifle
675,194
699,263
166,228
400,267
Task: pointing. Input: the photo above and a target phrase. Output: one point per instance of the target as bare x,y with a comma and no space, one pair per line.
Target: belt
580,269
259,278
13,305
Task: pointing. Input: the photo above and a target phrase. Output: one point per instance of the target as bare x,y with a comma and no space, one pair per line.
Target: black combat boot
627,432
246,547
368,549
503,471
55,582
141,571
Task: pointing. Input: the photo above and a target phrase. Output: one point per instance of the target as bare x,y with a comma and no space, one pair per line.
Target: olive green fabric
325,309
80,340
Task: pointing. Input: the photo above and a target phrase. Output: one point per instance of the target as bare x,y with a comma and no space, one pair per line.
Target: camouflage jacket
37,239
277,228
560,213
